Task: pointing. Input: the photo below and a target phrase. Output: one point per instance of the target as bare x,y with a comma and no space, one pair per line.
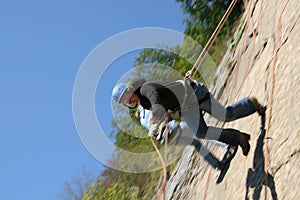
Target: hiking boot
244,143
258,107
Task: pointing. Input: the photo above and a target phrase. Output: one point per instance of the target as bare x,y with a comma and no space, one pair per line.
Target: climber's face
129,98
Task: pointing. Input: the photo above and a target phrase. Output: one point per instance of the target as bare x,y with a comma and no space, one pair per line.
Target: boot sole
246,148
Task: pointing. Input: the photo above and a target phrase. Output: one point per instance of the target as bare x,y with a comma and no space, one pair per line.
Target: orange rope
272,92
207,167
254,32
202,57
207,183
240,52
163,160
216,149
213,37
204,172
207,47
247,69
163,191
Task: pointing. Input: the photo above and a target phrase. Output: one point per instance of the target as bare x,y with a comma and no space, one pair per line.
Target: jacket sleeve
151,93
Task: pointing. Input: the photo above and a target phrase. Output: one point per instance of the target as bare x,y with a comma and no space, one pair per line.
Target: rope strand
270,103
213,38
163,192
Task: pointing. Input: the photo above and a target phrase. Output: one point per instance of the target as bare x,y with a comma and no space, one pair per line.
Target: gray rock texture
246,71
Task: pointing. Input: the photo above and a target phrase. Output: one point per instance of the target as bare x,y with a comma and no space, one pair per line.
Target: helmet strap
134,106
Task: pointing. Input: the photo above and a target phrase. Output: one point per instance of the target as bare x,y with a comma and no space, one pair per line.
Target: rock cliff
246,70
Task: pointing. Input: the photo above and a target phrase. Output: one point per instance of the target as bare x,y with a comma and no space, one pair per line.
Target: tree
202,17
75,188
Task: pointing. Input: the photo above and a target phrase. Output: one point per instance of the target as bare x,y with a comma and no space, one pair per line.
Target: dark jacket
159,97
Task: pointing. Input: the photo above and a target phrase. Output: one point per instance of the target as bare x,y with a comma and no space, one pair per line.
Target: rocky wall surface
246,70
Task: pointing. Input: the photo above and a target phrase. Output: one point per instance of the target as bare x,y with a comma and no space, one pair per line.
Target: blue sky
42,45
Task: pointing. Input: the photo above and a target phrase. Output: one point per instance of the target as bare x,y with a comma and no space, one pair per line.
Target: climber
190,98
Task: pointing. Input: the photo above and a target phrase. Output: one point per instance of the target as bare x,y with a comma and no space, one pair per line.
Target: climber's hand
188,74
153,130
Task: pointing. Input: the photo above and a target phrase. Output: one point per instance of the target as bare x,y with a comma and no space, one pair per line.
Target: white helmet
119,91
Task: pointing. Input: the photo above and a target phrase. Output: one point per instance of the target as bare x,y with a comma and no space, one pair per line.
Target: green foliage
203,17
114,192
126,186
268,66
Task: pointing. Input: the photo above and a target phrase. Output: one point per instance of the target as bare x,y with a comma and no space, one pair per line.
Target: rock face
246,70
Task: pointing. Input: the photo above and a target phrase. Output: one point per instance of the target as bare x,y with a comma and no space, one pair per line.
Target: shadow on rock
256,177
